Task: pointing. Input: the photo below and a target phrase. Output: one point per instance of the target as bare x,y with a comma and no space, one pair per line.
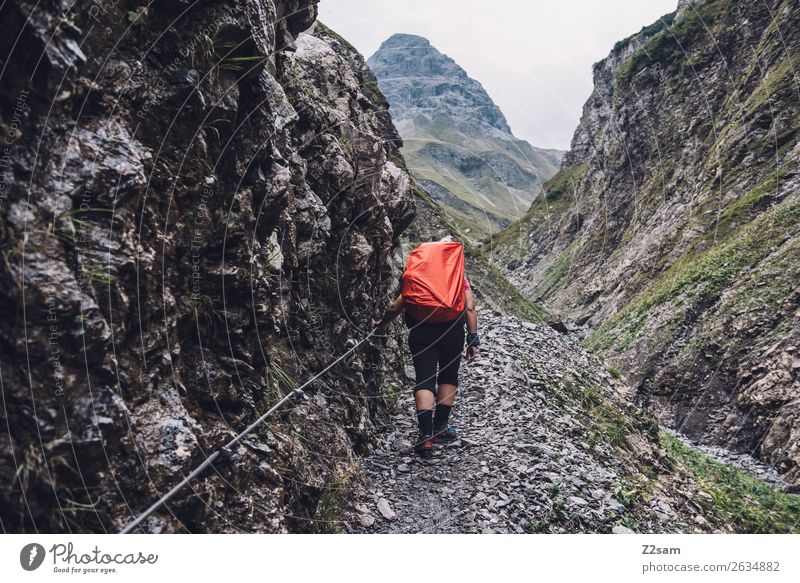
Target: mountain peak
457,142
401,39
418,79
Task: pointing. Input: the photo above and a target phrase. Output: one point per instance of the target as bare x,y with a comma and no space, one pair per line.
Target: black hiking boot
445,435
424,446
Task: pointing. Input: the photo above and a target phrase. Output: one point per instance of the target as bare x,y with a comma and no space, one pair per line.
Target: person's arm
391,312
473,341
472,315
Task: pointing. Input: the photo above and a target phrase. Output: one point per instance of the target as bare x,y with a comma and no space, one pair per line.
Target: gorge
206,203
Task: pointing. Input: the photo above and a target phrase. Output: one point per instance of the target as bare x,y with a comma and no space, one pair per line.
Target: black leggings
432,345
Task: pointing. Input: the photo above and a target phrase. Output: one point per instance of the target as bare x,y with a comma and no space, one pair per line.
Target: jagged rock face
673,227
200,211
456,140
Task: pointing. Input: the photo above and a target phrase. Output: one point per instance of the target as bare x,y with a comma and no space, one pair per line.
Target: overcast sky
534,57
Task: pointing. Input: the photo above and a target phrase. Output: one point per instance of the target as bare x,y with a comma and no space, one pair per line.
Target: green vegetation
629,521
391,395
768,286
555,514
564,182
742,209
629,494
758,292
333,502
464,165
321,28
647,200
471,208
701,276
238,64
605,421
671,40
738,499
136,16
553,274
221,52
280,381
11,252
209,126
547,208
281,377
649,30
493,284
67,224
203,302
95,272
779,77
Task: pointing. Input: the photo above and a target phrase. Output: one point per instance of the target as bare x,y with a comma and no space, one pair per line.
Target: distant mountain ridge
457,142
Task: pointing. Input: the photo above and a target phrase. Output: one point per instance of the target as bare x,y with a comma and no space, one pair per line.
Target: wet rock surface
533,453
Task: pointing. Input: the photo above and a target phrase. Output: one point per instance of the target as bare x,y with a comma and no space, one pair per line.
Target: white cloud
533,57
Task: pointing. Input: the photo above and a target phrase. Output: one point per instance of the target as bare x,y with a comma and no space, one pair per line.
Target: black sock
442,415
425,420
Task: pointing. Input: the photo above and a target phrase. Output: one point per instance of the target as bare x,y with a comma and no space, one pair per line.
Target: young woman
437,346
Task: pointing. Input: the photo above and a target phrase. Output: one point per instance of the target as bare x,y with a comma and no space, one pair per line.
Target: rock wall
200,211
672,231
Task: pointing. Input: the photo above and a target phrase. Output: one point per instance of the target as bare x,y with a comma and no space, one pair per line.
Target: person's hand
472,353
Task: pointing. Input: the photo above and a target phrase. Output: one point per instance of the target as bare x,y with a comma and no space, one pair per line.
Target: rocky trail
541,425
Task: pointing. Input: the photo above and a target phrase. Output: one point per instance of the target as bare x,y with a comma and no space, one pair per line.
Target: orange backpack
433,283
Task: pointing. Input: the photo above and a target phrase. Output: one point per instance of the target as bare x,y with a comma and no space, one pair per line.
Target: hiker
437,300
